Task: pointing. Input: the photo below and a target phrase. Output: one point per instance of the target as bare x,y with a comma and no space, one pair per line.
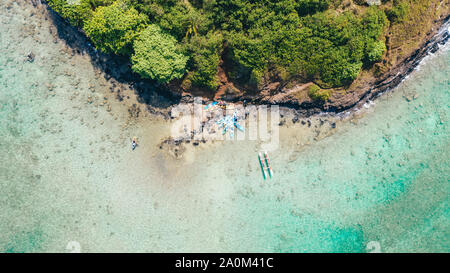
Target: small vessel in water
261,163
265,165
239,127
30,57
235,122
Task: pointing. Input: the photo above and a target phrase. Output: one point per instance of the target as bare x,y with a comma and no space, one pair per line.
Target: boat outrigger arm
269,169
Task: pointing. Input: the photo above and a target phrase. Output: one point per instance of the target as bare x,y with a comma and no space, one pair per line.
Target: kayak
239,126
231,131
225,128
220,122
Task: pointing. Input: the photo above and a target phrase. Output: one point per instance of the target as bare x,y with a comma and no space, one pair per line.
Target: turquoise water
378,181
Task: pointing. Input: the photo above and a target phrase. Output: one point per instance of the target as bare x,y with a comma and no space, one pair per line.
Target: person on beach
134,143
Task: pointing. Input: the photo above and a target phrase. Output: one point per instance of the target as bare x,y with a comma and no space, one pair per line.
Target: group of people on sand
134,140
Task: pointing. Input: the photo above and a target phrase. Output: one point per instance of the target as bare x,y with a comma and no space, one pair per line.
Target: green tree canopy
257,41
375,51
113,28
206,52
156,56
76,12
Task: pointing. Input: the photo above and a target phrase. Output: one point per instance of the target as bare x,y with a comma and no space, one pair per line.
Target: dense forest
257,41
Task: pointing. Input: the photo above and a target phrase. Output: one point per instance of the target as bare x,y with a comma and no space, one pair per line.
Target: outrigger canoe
261,163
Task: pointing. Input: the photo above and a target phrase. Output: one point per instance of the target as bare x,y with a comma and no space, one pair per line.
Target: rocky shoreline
354,99
400,72
159,100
